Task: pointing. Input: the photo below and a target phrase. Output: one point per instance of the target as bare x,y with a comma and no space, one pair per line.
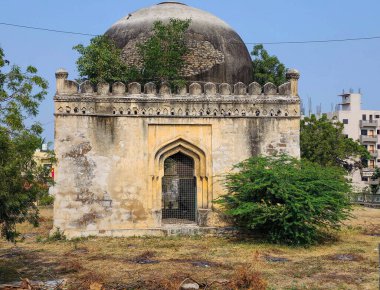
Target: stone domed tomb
216,52
134,159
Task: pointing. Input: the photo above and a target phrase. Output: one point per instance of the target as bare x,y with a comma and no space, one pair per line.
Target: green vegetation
101,61
163,54
162,57
287,200
323,142
20,94
374,188
266,67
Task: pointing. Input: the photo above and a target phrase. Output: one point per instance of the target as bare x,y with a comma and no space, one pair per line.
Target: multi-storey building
362,125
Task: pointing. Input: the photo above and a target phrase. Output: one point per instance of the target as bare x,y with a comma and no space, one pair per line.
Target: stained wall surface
111,147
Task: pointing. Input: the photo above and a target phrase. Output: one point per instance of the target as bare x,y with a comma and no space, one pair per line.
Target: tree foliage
323,141
375,188
266,67
20,95
162,56
101,61
287,200
163,53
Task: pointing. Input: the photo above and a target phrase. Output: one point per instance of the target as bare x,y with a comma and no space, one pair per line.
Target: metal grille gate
179,189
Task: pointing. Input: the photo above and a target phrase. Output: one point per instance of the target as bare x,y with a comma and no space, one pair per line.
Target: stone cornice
261,99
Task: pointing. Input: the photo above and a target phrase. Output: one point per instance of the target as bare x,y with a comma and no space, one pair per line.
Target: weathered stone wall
110,147
201,56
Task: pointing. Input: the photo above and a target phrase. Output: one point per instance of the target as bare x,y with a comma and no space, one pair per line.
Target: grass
351,262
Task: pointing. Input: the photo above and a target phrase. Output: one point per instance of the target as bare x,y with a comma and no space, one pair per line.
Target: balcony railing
368,172
373,181
369,123
366,139
374,154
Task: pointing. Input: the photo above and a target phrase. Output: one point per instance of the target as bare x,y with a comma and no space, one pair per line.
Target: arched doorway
179,189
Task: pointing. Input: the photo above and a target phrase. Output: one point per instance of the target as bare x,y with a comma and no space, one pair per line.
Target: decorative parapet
194,100
209,90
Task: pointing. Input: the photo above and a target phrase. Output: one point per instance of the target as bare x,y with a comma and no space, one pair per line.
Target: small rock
187,286
276,259
201,264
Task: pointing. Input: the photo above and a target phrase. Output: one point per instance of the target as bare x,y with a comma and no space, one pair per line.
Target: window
378,132
364,117
378,160
345,121
371,148
377,116
378,146
345,136
364,178
370,118
364,132
371,133
371,164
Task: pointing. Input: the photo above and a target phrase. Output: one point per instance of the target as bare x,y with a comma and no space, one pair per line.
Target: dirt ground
351,262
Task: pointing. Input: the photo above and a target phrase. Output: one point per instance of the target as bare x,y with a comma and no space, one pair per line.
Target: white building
362,125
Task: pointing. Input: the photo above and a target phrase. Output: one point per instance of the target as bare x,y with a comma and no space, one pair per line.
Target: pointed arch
202,164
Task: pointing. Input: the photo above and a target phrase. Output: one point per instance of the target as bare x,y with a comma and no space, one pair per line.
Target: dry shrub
87,281
172,282
67,267
371,230
249,279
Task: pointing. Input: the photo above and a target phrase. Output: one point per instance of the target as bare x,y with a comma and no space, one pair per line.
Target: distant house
362,125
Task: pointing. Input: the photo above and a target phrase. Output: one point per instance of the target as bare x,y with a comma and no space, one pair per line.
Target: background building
43,157
362,125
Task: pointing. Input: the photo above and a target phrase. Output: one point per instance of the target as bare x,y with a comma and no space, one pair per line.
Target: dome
216,52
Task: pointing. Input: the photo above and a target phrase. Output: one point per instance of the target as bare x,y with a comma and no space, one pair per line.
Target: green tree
162,57
20,95
101,61
323,142
285,199
163,53
375,187
266,67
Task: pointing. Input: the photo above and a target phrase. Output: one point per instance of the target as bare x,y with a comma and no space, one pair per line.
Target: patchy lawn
220,263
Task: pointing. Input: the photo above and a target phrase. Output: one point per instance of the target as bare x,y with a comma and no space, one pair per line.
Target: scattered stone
272,259
147,261
188,286
346,257
146,258
202,264
79,251
28,284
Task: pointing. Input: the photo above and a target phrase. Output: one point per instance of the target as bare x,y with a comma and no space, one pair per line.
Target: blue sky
326,68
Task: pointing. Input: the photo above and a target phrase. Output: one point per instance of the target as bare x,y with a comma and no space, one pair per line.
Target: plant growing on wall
20,95
101,61
163,53
285,199
323,142
266,67
162,56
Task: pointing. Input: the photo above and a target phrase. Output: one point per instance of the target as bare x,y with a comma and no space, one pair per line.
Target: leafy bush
287,200
323,142
58,235
21,92
45,199
101,61
163,53
162,57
